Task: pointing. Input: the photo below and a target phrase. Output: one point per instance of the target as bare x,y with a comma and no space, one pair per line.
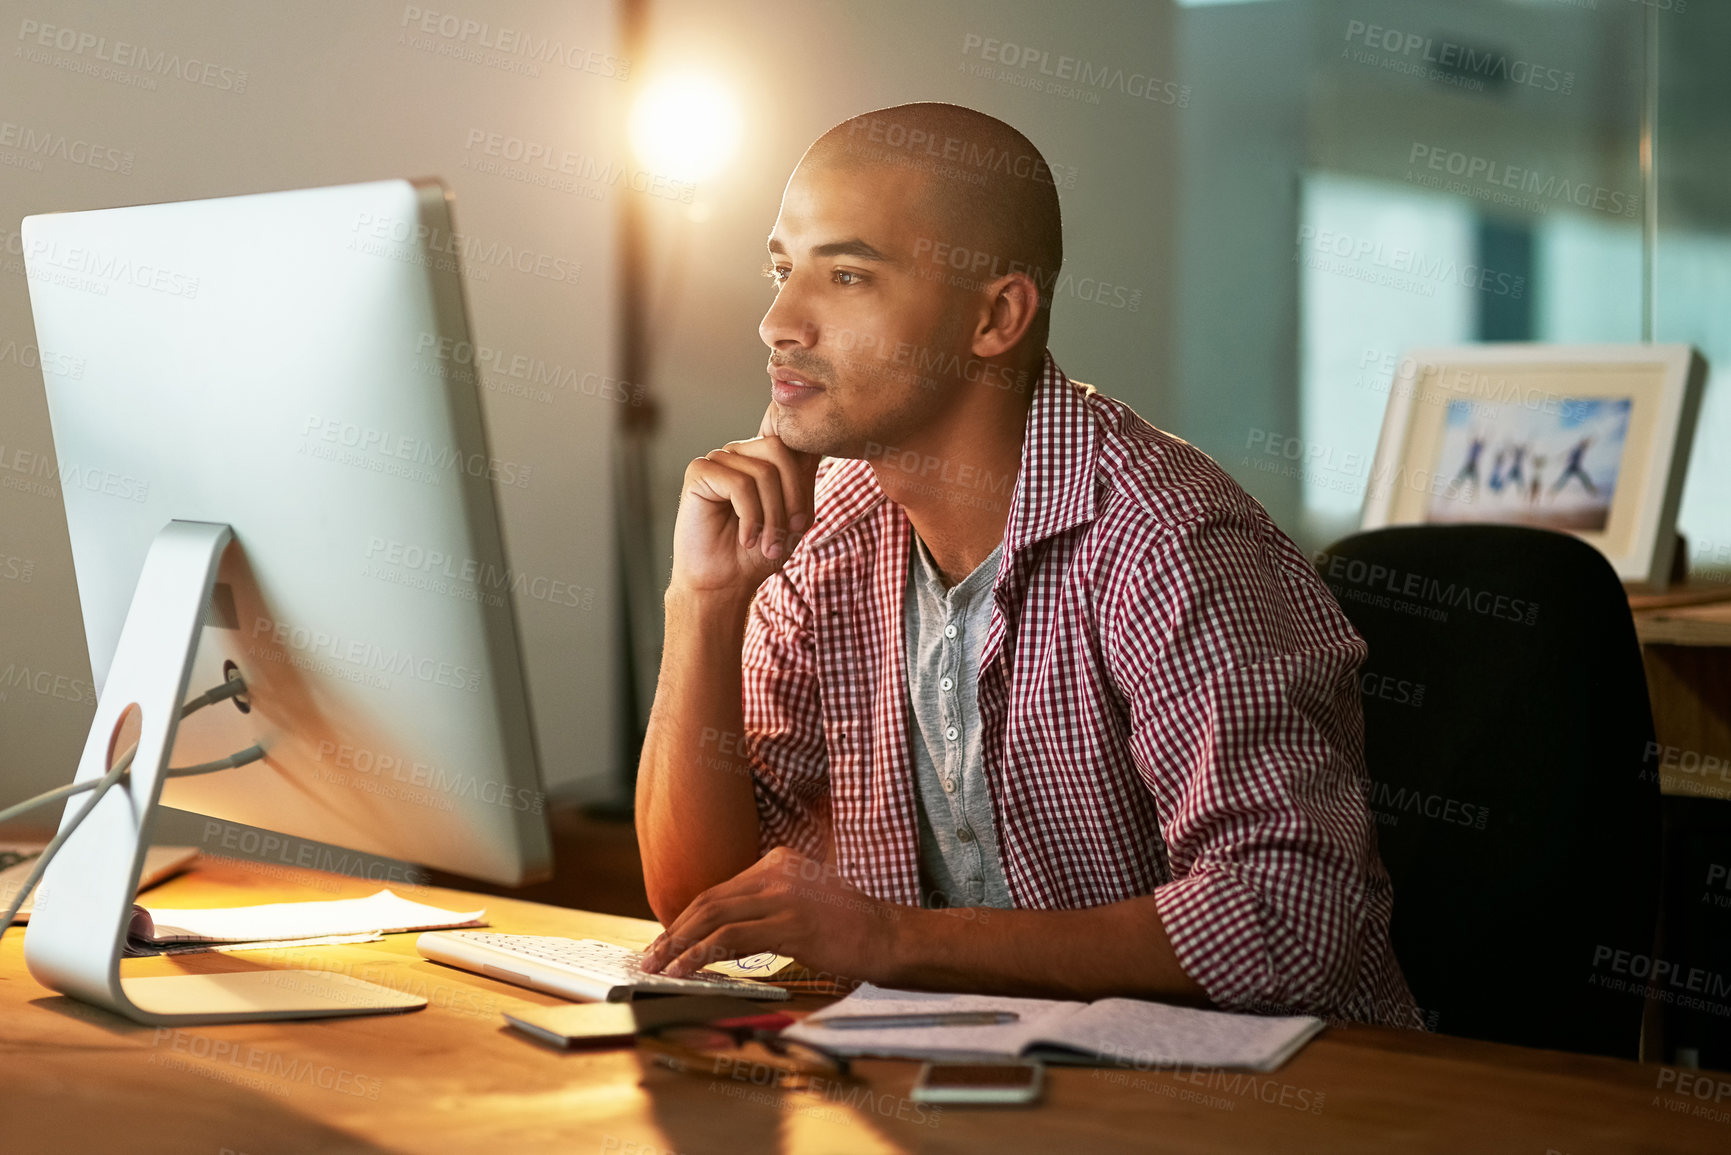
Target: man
1108,715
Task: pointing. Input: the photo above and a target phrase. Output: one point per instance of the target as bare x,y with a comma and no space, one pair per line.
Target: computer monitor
271,468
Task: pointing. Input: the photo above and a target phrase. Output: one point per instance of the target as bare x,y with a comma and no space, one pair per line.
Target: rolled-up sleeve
1247,727
784,738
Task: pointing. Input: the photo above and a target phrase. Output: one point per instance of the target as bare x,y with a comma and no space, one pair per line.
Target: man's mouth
790,386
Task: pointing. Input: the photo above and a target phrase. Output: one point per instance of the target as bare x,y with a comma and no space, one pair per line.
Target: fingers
718,481
705,917
773,530
769,484
734,940
796,472
805,463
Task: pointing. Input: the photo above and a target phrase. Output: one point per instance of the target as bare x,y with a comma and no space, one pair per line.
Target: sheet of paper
1037,1017
383,913
138,948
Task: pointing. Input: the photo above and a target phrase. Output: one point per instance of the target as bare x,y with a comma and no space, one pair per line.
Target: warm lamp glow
685,127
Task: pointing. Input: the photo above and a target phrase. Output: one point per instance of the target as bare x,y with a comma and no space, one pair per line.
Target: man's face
858,339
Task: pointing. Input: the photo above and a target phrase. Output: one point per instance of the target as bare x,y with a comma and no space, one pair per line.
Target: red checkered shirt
1168,706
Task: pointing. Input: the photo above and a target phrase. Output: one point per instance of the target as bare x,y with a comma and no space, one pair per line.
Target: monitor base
83,908
256,996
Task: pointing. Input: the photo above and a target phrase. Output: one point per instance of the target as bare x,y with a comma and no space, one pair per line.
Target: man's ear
1013,301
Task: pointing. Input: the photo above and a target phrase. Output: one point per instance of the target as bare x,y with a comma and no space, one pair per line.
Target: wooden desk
1686,647
454,1078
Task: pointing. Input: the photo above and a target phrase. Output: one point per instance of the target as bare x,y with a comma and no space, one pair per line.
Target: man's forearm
1097,952
696,815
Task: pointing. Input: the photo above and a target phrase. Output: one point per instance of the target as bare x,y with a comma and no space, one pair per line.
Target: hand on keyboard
789,904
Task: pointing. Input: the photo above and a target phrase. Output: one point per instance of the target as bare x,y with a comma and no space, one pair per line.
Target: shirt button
948,684
949,785
965,833
952,733
950,631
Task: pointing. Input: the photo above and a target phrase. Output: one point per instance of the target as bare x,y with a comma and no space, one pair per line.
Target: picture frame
1591,440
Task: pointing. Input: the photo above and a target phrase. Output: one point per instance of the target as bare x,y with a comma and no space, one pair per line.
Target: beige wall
311,94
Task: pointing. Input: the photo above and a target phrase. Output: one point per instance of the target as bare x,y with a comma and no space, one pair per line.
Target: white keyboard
573,968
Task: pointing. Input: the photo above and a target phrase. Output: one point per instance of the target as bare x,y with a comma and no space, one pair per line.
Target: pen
945,1019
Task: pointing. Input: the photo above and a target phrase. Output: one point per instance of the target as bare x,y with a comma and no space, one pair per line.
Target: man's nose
787,325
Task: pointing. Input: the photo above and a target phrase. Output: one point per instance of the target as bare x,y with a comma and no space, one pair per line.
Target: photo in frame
1591,440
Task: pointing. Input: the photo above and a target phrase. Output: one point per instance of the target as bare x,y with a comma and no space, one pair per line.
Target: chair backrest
1506,749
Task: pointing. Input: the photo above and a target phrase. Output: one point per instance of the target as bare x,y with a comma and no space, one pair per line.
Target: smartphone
978,1083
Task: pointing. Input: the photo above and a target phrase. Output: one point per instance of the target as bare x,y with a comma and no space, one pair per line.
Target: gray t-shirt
946,632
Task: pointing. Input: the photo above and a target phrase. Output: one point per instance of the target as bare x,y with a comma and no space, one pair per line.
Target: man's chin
799,435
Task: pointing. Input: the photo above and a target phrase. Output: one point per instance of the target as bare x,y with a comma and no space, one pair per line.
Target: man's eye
776,273
853,278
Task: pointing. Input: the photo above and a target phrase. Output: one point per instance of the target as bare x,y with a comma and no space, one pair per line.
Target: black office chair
1508,769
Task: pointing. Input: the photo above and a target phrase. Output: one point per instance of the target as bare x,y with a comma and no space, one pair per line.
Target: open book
1128,1032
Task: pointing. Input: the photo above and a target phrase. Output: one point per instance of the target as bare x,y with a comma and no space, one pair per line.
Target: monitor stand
82,909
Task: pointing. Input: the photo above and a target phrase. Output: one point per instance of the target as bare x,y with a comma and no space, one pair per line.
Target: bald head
988,197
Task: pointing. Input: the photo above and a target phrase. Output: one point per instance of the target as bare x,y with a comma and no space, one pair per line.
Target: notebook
1108,1032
